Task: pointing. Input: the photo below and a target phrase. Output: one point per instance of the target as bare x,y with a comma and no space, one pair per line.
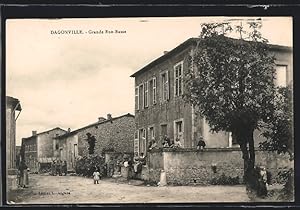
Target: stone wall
45,142
117,134
195,167
155,162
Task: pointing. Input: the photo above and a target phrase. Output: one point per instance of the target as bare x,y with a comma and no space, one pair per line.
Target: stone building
114,134
160,109
12,107
38,148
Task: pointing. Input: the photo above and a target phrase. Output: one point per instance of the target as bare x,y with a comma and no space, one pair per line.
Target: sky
69,80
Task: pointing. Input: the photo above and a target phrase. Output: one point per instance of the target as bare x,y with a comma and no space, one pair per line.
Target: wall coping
229,149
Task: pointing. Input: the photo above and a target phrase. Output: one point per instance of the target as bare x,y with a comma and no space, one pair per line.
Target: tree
279,128
279,135
91,141
230,82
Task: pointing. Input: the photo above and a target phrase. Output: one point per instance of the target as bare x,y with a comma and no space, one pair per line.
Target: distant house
13,106
115,134
160,109
38,148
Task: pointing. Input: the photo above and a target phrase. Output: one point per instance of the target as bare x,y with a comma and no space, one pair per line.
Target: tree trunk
246,142
251,150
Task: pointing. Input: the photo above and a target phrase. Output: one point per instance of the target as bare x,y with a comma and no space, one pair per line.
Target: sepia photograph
149,110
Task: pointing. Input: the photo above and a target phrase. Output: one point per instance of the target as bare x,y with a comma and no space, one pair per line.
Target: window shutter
167,85
145,140
181,79
154,90
136,142
137,104
142,95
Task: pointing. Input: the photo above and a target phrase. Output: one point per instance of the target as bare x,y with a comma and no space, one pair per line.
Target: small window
151,133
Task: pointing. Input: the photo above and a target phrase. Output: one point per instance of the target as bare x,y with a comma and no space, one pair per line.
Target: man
201,144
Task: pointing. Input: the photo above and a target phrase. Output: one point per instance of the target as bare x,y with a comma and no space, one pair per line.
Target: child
96,176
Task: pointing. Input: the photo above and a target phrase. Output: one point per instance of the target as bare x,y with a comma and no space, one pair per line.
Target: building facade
13,109
38,148
160,109
114,134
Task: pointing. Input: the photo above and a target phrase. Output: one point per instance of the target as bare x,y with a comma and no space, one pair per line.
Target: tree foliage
279,129
231,83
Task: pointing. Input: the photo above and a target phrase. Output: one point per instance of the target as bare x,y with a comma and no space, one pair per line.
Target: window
154,90
178,79
142,144
178,127
75,150
232,141
178,130
281,76
146,95
137,98
151,133
141,96
165,86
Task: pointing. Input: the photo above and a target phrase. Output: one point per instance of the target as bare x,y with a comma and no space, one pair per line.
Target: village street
45,189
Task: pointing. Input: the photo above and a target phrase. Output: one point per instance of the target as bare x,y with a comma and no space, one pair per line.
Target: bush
225,180
287,177
86,165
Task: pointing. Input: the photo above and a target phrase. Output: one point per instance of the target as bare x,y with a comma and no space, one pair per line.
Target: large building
114,134
160,109
13,106
38,148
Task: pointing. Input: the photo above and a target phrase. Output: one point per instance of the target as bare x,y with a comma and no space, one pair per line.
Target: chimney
165,52
34,133
69,130
109,117
101,119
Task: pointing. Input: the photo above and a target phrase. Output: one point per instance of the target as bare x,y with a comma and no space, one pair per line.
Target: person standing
64,168
53,168
22,169
60,168
96,176
26,177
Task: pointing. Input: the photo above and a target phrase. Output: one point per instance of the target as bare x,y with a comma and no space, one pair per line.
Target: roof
57,128
189,42
14,101
91,125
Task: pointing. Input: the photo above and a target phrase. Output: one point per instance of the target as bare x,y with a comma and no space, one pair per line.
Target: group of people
167,143
59,167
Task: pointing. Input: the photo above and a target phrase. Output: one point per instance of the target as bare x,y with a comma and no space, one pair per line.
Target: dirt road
45,189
